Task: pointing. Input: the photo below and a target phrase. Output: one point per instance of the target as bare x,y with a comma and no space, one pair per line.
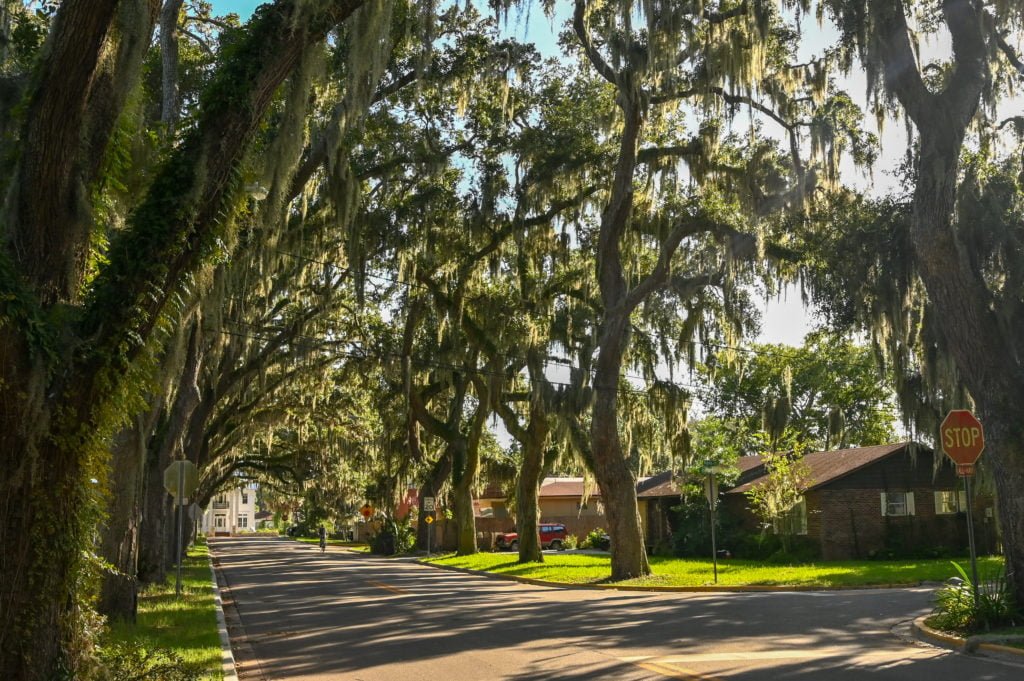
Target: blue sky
243,8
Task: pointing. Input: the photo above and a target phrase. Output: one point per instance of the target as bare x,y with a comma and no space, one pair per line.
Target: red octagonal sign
961,436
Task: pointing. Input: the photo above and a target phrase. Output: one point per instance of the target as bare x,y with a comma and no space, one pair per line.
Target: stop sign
961,436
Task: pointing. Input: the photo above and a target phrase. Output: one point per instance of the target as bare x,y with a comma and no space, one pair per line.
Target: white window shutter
883,503
910,503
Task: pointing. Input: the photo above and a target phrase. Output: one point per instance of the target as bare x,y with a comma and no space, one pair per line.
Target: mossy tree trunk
69,375
533,439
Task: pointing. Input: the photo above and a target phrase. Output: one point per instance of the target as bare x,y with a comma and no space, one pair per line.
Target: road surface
297,614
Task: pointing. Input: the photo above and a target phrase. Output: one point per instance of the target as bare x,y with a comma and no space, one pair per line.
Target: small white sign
428,504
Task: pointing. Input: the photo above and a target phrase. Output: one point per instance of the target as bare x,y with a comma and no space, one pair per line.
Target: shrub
955,609
395,536
571,541
691,530
597,539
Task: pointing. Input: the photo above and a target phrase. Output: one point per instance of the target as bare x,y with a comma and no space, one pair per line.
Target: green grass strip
186,626
569,568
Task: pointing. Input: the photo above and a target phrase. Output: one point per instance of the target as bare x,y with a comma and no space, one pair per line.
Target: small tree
782,489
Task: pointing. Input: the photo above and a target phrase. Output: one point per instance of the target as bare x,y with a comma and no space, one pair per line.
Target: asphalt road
294,613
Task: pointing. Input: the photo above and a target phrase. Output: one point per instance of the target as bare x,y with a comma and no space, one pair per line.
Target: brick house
871,501
861,503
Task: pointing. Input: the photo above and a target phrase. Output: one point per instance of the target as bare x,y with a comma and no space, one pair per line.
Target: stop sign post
180,479
962,438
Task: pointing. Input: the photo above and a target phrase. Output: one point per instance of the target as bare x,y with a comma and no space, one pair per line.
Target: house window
245,497
897,503
949,501
243,521
793,521
220,521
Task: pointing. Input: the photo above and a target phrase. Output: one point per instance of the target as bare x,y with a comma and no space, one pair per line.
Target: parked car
552,536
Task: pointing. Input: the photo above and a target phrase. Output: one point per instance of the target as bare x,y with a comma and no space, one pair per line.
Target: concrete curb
974,644
667,589
227,657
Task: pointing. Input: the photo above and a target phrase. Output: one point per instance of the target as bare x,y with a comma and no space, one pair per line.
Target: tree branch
579,24
900,69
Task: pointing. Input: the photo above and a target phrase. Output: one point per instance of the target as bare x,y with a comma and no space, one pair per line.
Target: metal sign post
180,478
970,532
711,491
429,520
962,438
181,518
428,508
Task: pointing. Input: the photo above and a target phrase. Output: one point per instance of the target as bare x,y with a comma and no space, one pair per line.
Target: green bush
691,530
596,539
955,609
571,541
395,536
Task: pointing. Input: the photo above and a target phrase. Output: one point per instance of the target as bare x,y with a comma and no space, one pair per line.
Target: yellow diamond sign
429,519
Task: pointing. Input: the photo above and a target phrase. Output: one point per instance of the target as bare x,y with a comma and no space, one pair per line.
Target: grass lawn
568,568
187,626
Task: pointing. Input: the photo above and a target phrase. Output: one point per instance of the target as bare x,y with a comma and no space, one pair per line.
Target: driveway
298,614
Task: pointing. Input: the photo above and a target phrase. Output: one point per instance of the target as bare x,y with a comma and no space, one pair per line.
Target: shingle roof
660,485
565,487
825,466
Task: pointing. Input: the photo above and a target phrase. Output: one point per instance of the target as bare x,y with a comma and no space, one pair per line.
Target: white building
231,511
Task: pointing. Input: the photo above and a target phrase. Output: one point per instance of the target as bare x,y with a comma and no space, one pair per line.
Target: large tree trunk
152,567
1003,454
119,537
462,493
615,479
528,484
468,450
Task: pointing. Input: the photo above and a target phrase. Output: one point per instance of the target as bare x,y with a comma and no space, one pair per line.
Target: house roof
566,487
660,485
825,467
664,484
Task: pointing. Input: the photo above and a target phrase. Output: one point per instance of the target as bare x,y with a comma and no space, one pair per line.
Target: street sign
711,489
181,477
366,511
194,511
429,519
428,504
962,439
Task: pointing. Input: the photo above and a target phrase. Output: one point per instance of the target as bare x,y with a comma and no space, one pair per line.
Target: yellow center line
672,671
386,587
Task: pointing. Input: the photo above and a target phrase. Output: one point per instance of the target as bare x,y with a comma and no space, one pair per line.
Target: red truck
552,536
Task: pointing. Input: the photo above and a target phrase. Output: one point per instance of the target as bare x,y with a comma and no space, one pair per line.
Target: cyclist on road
323,539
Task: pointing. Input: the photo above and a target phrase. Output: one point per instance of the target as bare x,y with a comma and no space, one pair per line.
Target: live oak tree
76,346
948,319
716,60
